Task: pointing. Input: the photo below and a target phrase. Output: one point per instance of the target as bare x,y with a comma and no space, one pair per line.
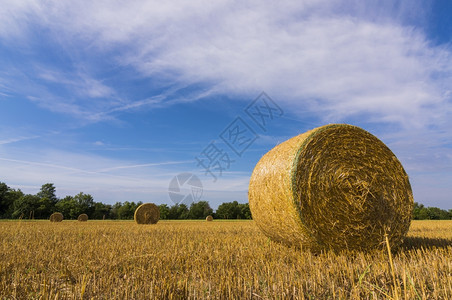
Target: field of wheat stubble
211,260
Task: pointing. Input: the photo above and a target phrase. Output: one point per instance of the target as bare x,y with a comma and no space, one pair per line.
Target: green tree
114,212
178,212
436,213
245,212
69,207
48,191
25,206
164,211
417,210
85,203
420,212
100,210
5,203
200,210
228,210
7,198
424,214
47,201
127,210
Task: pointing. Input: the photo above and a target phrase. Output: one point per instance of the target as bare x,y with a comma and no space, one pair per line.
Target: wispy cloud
145,165
338,58
83,84
368,62
48,165
17,139
76,94
74,172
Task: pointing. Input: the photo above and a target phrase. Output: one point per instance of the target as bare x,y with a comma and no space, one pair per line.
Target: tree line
14,204
420,212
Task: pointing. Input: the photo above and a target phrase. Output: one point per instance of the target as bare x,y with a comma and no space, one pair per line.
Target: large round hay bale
82,218
56,217
333,187
209,218
147,213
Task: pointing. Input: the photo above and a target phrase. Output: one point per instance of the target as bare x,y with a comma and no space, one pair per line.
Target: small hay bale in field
82,218
56,217
333,187
209,218
147,213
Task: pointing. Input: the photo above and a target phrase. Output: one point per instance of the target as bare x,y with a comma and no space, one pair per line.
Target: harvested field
187,259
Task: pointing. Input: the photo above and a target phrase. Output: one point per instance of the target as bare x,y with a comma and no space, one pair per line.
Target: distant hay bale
56,217
147,213
209,218
82,218
333,187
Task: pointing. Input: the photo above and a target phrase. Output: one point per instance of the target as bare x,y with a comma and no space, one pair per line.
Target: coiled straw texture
56,217
82,218
334,187
147,213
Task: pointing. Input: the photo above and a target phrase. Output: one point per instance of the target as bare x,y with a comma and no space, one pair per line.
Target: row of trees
420,212
15,204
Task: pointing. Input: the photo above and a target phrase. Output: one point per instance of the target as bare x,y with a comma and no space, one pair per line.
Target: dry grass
209,218
333,187
225,260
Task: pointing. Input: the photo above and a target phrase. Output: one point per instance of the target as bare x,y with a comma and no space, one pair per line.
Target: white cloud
107,180
134,166
99,143
17,139
340,60
92,174
345,59
81,83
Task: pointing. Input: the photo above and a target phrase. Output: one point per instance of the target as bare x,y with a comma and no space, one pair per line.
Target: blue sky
115,98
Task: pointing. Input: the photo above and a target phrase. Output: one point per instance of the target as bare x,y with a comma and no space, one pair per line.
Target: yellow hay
82,218
56,217
209,218
147,213
333,187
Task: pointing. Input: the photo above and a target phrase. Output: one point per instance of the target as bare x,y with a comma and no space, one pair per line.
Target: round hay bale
147,213
56,217
334,187
82,218
209,218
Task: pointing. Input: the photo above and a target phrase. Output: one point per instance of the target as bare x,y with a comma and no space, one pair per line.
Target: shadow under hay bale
209,218
56,217
147,213
334,187
82,218
411,243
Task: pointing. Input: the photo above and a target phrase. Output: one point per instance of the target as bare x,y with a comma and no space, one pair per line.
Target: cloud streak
17,139
72,173
369,63
339,60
